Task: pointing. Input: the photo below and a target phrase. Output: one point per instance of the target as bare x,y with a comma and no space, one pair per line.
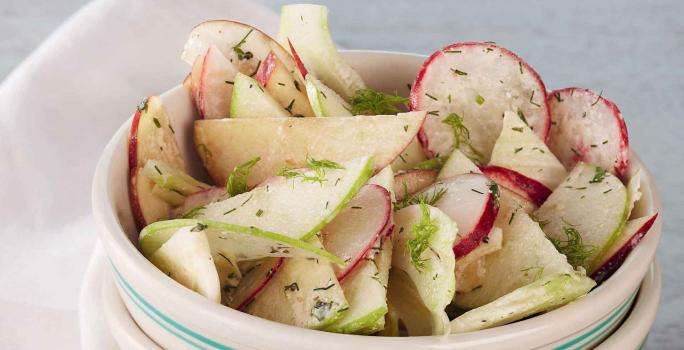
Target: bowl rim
120,249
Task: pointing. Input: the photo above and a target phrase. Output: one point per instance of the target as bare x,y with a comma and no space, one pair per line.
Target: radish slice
522,185
410,182
215,90
631,235
471,200
253,282
354,231
588,127
479,82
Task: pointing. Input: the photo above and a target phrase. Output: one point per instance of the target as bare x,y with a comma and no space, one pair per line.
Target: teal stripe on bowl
615,319
167,319
157,321
602,327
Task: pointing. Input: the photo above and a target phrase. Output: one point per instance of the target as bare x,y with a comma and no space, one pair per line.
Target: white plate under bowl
176,317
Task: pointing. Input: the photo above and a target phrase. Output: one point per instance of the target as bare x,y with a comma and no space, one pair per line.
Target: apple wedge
411,156
529,189
424,256
238,243
249,100
631,235
253,282
518,148
366,291
284,85
409,182
509,203
215,85
457,164
306,26
324,101
588,127
525,256
424,259
585,214
470,269
303,293
545,294
244,46
151,137
224,144
187,259
172,179
471,200
356,229
466,88
315,203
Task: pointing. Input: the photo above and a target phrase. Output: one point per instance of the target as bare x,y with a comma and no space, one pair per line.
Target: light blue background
632,50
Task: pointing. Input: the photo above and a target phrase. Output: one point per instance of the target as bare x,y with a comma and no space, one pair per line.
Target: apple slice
631,235
525,256
519,149
194,203
409,182
478,82
585,214
284,85
306,26
457,164
151,137
366,291
529,189
423,254
324,101
315,203
239,243
224,144
544,294
215,88
303,293
471,200
354,231
588,127
244,46
470,269
253,282
249,100
411,156
187,259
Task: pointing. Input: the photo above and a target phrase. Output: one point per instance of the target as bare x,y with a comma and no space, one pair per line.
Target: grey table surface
633,51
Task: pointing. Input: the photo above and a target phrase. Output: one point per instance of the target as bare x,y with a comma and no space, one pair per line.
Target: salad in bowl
478,200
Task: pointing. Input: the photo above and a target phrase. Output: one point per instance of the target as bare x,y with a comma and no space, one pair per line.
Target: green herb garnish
433,163
422,232
242,55
317,166
372,102
599,176
460,132
237,181
572,246
479,99
429,199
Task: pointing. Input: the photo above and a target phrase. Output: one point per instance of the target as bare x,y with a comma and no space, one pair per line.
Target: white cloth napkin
57,111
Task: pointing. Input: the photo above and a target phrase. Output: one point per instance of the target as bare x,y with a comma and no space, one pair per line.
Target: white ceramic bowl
176,317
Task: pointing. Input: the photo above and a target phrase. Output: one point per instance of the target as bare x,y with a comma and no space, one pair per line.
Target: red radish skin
541,127
262,75
381,198
609,266
468,197
522,185
132,170
298,60
582,149
243,304
484,226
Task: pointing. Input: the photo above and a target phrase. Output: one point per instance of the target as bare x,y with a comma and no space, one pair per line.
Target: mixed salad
479,200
